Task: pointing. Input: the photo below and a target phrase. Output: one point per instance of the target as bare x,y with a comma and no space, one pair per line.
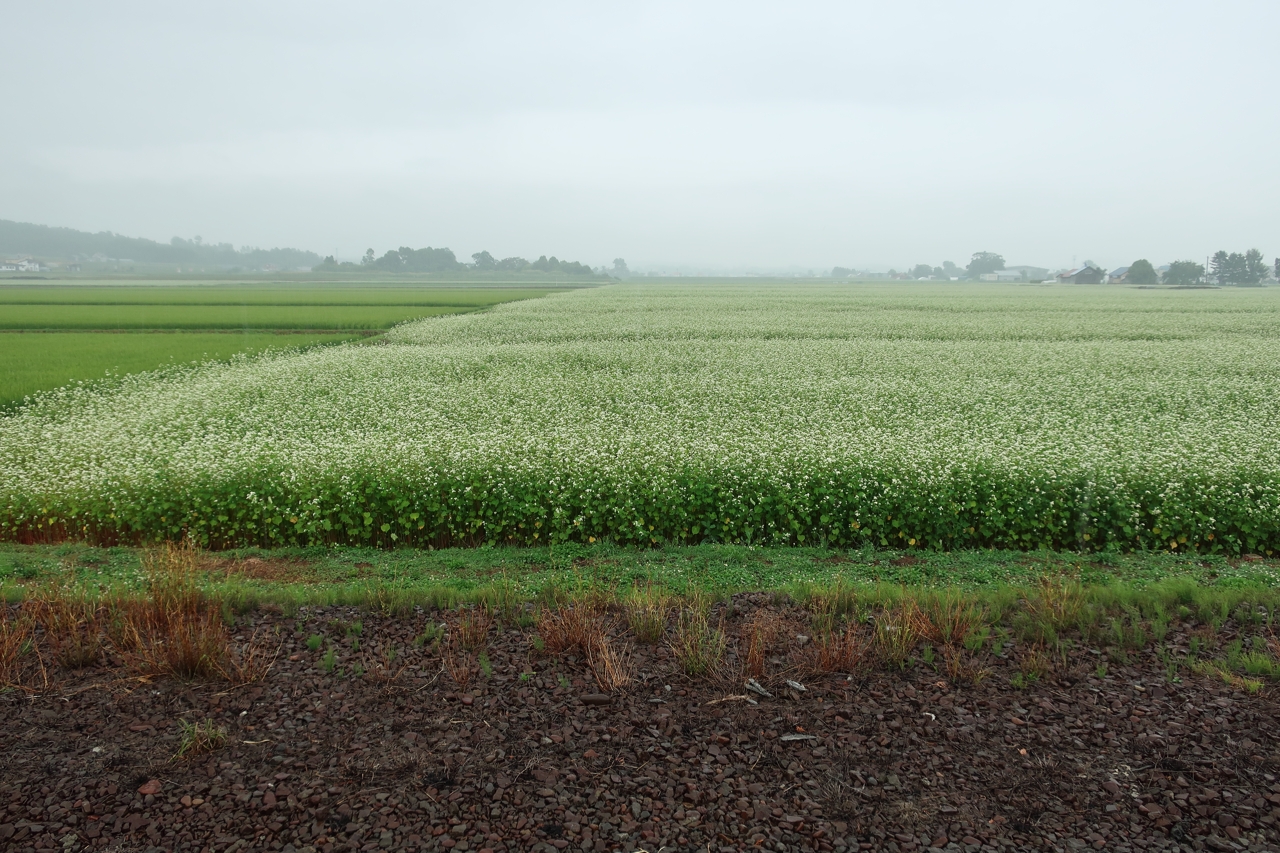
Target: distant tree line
1248,268
1237,268
431,260
43,241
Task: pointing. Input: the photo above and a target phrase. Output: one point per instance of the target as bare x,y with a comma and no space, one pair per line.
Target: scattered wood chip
754,687
795,685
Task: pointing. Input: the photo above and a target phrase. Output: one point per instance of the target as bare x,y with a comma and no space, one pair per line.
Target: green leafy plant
976,639
314,642
430,634
199,738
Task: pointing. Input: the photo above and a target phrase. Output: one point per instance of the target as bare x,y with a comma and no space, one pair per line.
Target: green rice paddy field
52,335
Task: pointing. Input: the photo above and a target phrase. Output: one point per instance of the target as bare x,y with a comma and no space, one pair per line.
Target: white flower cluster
940,416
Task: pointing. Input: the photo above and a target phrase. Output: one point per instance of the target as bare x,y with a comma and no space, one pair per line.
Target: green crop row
263,294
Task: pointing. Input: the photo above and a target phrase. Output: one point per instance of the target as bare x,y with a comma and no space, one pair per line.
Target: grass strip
292,577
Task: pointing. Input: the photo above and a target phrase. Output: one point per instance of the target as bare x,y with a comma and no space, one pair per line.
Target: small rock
597,699
150,787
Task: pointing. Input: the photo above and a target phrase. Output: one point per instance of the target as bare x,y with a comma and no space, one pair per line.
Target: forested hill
66,244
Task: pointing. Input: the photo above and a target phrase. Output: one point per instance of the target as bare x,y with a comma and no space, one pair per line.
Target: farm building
1029,273
1001,275
1087,274
1118,275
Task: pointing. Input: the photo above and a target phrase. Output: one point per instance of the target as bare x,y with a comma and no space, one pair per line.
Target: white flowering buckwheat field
912,416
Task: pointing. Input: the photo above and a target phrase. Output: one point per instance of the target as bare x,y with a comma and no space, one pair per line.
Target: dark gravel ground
382,754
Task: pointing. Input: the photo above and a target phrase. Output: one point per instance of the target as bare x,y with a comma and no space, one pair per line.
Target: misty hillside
67,244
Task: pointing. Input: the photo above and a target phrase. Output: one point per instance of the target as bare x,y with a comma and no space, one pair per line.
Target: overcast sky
722,136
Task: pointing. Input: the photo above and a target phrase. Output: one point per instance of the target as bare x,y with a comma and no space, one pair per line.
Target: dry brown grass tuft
17,638
610,663
252,661
458,662
473,627
586,627
1036,662
949,617
759,634
962,668
1056,602
897,631
570,627
176,629
841,651
72,623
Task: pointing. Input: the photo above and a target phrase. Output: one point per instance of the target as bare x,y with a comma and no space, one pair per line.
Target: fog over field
718,136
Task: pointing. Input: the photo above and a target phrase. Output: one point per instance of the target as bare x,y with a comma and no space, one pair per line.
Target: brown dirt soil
257,568
400,757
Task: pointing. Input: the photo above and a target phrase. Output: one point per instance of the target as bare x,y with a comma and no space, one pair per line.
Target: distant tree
921,271
1219,266
843,272
553,264
484,261
1230,268
1255,268
513,264
391,261
950,270
620,268
1141,272
984,262
1277,269
367,260
939,272
1184,272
